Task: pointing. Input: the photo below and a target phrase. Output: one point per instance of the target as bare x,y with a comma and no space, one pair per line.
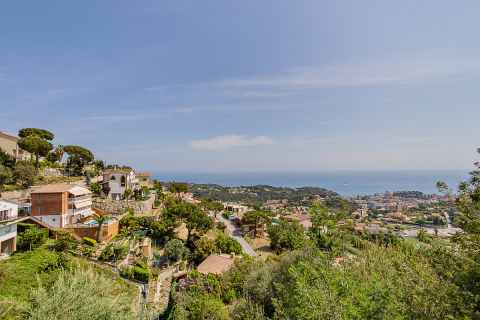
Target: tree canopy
36,141
175,250
178,187
196,219
79,153
255,217
24,172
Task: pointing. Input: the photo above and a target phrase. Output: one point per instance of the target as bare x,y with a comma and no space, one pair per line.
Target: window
122,181
39,198
85,234
144,179
112,178
53,219
39,211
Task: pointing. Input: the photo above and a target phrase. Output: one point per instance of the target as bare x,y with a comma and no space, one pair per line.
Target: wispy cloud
224,142
354,72
392,70
417,139
117,118
324,123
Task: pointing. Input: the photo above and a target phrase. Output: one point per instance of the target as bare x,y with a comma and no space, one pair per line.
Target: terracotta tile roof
142,174
110,171
10,135
216,263
307,224
179,274
55,188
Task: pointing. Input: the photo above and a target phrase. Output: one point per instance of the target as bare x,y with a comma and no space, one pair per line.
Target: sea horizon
344,182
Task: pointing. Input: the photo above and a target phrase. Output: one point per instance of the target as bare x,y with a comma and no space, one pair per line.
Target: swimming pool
95,222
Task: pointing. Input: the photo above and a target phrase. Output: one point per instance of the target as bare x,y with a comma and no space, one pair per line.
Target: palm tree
101,218
60,152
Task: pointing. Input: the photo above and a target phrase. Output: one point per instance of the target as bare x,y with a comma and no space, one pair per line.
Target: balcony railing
81,225
76,211
81,198
8,217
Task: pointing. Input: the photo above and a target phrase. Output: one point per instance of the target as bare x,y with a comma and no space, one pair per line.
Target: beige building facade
9,143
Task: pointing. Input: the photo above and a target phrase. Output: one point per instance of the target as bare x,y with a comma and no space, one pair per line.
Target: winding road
449,221
234,233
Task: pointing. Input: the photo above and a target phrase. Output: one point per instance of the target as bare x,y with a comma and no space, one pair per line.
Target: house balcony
21,156
8,217
82,210
81,198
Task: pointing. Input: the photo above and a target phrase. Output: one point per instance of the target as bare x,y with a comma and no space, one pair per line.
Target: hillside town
162,241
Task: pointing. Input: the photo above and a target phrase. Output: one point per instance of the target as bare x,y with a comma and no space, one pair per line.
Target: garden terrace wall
109,231
15,194
52,172
107,205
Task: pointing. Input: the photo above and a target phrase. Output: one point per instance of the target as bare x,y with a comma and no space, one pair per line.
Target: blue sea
343,182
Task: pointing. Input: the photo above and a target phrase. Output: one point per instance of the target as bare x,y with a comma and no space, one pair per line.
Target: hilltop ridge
258,194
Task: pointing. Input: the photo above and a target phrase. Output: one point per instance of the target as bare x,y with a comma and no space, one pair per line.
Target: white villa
118,180
8,226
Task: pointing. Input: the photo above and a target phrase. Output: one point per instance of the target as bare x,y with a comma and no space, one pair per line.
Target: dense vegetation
258,194
44,284
334,273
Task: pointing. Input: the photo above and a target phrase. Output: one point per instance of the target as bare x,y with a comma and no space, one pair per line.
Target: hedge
21,227
89,242
119,250
11,188
142,265
141,274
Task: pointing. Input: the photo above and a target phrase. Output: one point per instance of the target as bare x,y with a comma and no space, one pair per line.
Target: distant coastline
343,182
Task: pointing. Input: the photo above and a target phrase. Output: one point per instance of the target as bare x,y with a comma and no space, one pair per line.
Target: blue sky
246,86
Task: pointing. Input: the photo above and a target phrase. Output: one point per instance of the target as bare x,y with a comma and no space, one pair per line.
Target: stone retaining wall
53,172
14,195
107,205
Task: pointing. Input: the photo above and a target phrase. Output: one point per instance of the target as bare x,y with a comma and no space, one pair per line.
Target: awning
82,204
79,191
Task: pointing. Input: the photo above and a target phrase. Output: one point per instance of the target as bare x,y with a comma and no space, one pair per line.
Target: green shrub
119,251
10,188
141,265
21,227
107,253
89,242
127,273
46,232
155,272
89,252
141,274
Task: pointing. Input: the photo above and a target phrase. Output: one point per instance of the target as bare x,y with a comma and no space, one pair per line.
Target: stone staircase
162,290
